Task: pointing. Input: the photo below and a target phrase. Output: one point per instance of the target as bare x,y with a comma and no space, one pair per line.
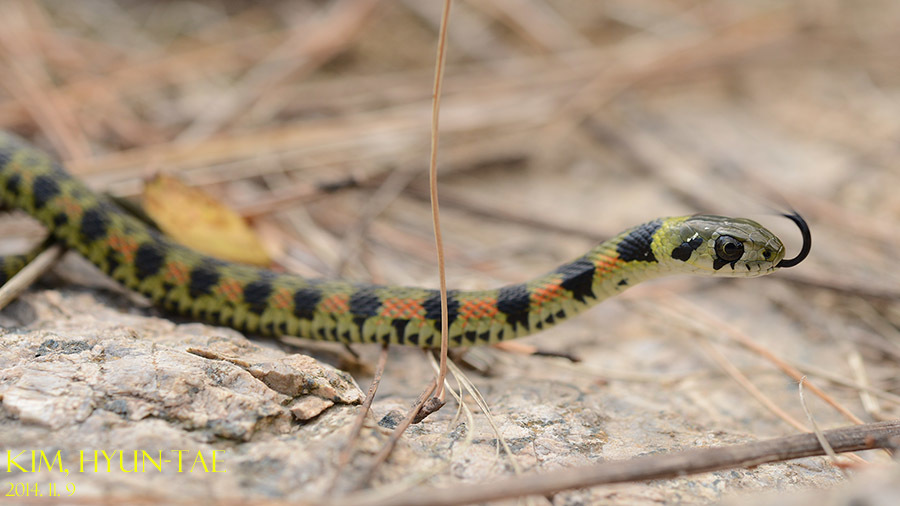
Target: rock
87,358
309,407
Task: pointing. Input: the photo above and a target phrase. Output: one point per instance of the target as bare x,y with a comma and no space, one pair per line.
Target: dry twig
411,417
438,400
682,306
24,278
347,452
816,430
651,467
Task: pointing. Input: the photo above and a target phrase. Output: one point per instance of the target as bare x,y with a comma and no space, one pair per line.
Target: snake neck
606,270
489,316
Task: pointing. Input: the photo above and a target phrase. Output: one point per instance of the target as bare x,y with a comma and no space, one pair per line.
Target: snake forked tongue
807,241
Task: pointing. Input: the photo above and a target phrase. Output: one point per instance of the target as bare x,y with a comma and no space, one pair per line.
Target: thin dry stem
867,399
685,307
432,181
386,450
826,446
809,369
483,405
347,451
748,385
24,278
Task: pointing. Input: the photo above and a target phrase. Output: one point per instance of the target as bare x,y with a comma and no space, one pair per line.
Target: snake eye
729,249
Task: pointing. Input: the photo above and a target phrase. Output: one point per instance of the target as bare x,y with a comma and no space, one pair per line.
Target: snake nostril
767,254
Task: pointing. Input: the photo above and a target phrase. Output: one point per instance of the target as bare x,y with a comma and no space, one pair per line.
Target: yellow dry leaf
200,222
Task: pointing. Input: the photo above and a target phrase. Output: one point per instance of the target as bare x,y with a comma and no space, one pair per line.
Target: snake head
719,246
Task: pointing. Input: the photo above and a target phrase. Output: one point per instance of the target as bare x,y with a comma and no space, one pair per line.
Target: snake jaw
740,270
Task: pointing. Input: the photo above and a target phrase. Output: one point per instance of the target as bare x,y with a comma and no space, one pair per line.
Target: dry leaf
198,221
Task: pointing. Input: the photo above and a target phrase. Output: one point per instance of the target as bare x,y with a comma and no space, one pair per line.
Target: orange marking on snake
283,299
607,264
478,308
546,293
71,207
125,245
177,272
338,303
401,307
231,289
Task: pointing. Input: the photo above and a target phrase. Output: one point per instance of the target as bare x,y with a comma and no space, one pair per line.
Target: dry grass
561,122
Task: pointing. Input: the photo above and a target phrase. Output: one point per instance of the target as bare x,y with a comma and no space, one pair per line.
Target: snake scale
259,301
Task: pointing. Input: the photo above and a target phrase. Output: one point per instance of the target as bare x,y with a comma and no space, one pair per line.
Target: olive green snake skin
260,301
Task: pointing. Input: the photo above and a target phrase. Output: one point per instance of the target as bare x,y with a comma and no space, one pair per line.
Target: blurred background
562,122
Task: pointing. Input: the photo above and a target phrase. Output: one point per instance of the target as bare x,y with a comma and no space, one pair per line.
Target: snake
262,302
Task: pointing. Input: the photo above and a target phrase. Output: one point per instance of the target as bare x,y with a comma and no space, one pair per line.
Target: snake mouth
807,241
753,269
747,269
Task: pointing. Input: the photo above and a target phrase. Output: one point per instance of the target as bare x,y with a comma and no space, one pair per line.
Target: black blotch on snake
94,223
256,294
514,301
44,189
148,260
305,301
578,278
637,244
203,279
432,307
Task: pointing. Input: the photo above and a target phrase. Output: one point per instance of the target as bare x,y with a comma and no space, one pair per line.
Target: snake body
259,301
